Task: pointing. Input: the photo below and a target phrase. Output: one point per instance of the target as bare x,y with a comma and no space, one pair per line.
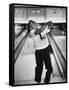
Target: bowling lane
60,39
61,42
17,40
55,77
25,66
25,70
20,43
59,58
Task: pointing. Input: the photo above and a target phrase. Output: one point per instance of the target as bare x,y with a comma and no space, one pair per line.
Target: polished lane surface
25,64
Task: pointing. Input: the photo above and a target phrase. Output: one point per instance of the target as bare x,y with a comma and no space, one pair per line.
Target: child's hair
33,23
50,24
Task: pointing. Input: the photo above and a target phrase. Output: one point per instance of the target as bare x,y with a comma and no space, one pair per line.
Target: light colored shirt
40,44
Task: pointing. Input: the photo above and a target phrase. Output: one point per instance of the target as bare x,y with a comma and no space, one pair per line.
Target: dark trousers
43,56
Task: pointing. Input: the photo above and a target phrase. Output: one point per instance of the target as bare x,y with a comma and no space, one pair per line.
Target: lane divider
59,59
20,46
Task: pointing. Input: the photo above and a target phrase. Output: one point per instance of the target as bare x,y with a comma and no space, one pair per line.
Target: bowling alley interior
24,48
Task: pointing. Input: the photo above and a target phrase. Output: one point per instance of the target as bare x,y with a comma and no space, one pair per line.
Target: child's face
33,26
48,28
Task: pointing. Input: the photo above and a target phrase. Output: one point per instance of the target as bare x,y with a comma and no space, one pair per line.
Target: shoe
38,81
46,81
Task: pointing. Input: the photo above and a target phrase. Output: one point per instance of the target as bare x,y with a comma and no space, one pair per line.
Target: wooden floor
25,64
